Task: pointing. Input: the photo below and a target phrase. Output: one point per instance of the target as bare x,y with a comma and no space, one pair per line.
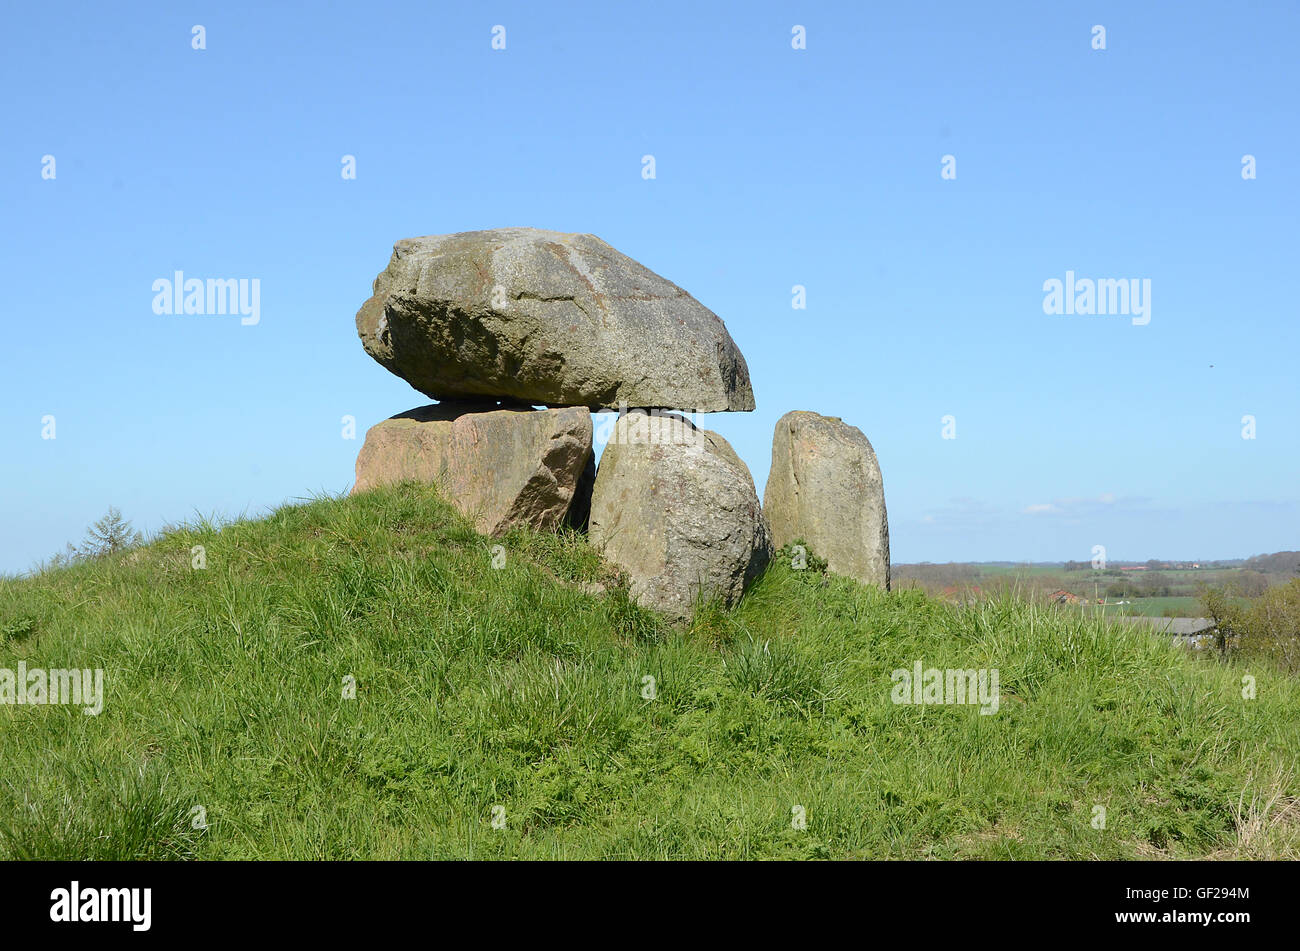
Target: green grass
521,688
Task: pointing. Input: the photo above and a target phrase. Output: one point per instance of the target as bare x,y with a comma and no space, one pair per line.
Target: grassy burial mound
367,677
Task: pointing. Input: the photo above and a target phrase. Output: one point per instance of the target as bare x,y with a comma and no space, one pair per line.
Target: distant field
1156,607
1018,571
1151,592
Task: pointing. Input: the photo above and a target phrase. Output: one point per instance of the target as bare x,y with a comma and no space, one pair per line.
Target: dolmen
520,334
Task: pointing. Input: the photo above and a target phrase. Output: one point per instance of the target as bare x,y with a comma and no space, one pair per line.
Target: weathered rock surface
547,318
501,467
675,507
825,487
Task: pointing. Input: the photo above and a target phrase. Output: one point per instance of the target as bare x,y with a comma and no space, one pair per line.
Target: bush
1266,626
1271,626
110,535
799,556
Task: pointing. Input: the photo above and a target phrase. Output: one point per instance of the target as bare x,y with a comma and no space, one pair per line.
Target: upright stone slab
502,467
547,318
675,508
825,487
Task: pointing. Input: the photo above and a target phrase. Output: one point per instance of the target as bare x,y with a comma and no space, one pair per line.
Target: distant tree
1217,603
110,535
1156,585
1270,625
1250,584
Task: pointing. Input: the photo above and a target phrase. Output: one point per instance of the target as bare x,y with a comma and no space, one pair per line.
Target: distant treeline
1285,563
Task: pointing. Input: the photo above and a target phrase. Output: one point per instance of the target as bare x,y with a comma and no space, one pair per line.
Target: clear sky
774,167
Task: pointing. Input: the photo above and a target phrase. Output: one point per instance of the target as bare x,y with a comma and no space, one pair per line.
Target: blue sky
774,167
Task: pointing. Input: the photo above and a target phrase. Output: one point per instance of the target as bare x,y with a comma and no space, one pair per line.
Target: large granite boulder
550,319
825,488
502,467
675,508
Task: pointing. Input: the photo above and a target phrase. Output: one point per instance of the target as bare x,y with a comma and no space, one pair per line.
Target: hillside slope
226,732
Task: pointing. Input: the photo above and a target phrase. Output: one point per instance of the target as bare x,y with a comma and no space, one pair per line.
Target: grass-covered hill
519,694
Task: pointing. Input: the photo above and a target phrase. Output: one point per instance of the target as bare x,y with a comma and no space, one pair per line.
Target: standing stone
502,467
547,318
825,488
675,508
